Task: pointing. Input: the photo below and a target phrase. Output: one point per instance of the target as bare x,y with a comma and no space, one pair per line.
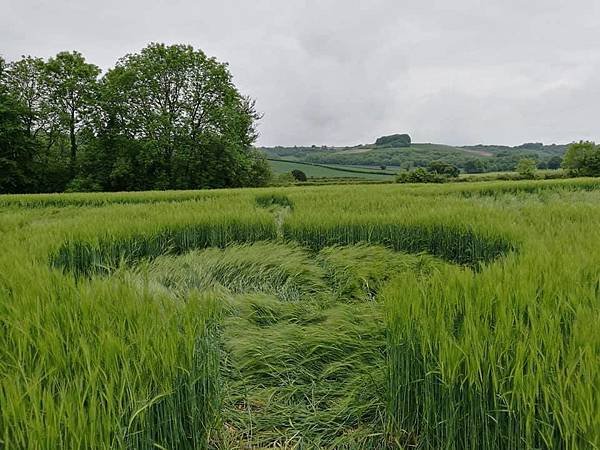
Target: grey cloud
345,71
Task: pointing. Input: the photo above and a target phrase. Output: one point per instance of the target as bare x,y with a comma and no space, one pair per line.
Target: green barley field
337,317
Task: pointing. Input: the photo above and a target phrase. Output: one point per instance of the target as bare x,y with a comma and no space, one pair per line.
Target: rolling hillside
330,171
372,157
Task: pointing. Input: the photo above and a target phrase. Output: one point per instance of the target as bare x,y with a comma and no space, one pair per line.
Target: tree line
168,117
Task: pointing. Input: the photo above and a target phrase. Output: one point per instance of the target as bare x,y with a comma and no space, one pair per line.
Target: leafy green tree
16,148
72,90
555,162
259,171
474,166
442,168
583,159
196,128
26,81
299,175
526,167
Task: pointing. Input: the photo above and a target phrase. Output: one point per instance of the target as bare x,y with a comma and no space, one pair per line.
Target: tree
583,159
259,171
26,81
196,128
16,149
299,175
442,168
474,166
72,86
27,84
555,162
526,167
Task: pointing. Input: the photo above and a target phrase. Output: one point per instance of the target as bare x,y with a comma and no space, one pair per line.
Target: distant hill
395,140
397,151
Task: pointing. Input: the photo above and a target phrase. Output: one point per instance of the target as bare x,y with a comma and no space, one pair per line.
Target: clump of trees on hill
394,140
168,117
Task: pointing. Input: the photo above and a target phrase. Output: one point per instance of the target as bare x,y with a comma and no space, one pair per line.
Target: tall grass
284,271
104,366
106,199
504,358
459,244
108,253
441,356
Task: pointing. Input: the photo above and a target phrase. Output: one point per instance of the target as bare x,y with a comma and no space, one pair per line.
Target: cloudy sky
343,72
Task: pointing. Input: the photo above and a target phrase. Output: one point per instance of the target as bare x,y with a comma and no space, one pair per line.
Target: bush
420,175
526,167
474,166
442,168
583,159
298,175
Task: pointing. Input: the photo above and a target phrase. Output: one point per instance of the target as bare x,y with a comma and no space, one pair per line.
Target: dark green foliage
71,85
475,166
420,175
394,140
473,159
442,168
194,127
16,147
168,117
526,167
258,172
299,175
583,158
555,162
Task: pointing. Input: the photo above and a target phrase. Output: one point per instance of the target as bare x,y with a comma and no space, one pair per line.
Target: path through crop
303,375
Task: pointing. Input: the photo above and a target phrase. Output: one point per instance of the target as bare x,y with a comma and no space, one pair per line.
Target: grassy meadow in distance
462,316
331,171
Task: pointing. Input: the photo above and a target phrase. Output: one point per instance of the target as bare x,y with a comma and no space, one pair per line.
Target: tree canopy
168,117
394,140
16,149
442,168
526,167
583,158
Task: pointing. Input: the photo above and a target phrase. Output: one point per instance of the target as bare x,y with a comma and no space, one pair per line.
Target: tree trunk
73,143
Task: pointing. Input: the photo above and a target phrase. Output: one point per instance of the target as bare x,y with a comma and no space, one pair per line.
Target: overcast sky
343,72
